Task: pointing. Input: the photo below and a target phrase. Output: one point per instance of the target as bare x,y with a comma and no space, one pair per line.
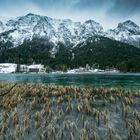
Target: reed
68,112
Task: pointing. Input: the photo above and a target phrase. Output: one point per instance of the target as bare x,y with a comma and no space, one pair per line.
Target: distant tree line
104,52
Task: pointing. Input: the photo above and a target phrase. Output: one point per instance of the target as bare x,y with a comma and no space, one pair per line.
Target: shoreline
61,72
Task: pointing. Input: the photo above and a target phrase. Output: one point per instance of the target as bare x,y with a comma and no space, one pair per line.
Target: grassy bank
43,112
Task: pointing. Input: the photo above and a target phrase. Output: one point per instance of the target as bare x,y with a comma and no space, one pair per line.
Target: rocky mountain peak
1,27
127,32
66,31
129,26
127,23
1,24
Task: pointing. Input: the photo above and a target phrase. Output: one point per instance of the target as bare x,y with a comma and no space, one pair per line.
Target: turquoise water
125,80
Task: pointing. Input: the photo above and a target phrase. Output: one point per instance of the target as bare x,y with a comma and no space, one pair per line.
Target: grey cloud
124,8
99,10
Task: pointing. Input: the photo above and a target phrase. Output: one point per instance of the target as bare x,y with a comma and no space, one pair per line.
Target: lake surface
127,80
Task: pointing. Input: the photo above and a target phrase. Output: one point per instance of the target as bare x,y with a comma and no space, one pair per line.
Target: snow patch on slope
65,31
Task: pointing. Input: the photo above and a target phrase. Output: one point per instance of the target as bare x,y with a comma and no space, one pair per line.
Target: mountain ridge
66,31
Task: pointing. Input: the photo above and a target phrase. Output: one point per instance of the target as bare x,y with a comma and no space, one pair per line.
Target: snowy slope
1,27
55,30
127,32
66,31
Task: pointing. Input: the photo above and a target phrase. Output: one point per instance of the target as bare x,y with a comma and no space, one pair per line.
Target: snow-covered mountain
66,31
1,27
127,32
54,30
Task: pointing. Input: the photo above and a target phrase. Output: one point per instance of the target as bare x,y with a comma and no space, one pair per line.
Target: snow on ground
8,67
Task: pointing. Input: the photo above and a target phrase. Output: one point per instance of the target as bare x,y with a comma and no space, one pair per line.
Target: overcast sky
107,12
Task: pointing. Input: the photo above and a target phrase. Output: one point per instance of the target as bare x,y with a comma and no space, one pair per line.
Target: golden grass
67,112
